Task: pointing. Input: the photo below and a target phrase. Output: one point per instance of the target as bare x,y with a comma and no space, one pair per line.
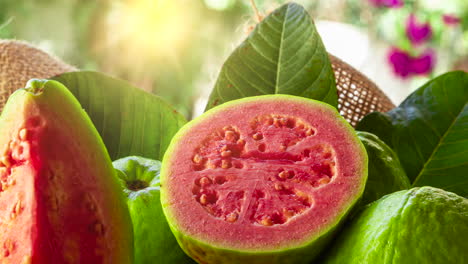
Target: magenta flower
450,19
400,60
417,32
387,3
423,64
405,65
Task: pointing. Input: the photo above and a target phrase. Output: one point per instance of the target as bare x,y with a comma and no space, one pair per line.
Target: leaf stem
257,13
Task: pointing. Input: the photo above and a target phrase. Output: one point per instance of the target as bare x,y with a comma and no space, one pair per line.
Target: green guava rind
386,175
420,225
206,254
209,254
154,241
53,95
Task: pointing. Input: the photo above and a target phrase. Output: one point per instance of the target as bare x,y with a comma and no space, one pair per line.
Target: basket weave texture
357,95
19,62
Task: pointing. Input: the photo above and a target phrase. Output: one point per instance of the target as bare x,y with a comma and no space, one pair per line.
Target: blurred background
175,48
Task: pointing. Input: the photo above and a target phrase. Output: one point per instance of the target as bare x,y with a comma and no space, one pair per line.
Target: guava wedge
420,225
386,175
264,179
60,199
154,241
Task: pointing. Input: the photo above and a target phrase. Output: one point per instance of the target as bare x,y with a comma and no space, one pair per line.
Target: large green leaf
129,120
429,132
283,55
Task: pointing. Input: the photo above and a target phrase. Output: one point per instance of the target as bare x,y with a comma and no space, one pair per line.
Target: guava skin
207,254
204,252
386,175
154,241
420,225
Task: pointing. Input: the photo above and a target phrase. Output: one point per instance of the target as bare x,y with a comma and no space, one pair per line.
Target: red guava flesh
262,174
58,203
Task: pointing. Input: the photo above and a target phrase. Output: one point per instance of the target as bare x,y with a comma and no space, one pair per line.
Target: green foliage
129,120
428,131
283,55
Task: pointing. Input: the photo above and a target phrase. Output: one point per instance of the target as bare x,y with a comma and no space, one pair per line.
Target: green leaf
429,132
283,55
129,120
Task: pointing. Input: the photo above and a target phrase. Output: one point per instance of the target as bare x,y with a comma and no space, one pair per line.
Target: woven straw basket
19,62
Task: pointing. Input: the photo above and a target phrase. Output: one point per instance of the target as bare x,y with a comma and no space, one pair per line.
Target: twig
257,14
6,23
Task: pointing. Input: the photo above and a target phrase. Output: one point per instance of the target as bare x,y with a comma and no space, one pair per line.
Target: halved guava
59,196
420,225
262,179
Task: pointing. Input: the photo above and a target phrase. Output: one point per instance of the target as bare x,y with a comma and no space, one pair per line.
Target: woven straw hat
19,62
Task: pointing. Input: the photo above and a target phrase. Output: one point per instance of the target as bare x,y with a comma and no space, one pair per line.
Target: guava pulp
262,174
58,189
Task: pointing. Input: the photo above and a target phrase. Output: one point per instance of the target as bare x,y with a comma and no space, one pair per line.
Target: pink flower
400,60
405,65
417,32
424,63
387,3
450,19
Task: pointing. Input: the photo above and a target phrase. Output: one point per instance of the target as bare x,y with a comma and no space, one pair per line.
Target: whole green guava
386,175
153,239
420,225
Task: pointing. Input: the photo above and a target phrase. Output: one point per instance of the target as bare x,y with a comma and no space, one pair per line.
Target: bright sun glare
149,28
